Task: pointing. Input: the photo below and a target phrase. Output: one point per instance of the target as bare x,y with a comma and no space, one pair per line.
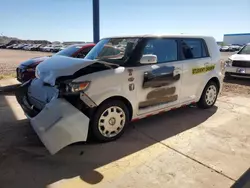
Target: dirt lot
10,59
187,147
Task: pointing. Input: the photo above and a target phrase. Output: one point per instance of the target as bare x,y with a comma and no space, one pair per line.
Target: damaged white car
122,79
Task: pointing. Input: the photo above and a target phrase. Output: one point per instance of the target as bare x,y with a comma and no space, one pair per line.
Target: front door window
164,49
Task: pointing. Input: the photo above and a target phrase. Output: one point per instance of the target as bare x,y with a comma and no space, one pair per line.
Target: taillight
30,70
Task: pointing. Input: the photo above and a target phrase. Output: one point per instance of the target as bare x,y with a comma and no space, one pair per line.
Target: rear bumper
58,124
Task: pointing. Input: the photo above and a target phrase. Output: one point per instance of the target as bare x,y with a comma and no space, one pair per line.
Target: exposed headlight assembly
228,63
37,73
75,87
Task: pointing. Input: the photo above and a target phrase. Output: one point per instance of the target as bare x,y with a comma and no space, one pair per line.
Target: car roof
154,35
82,45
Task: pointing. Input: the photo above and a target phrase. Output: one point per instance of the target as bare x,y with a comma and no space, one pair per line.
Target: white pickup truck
122,79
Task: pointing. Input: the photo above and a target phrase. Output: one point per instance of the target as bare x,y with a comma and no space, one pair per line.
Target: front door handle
177,69
206,64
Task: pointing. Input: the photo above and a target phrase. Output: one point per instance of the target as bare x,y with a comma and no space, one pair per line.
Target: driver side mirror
148,59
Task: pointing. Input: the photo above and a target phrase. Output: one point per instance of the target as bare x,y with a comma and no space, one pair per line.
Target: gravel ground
236,86
10,59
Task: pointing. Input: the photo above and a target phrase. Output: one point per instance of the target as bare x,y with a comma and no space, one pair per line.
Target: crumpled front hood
240,57
34,61
56,66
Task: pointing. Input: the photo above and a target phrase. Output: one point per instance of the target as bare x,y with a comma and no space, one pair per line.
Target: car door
158,85
196,65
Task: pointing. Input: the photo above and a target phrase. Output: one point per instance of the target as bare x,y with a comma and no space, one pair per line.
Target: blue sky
71,20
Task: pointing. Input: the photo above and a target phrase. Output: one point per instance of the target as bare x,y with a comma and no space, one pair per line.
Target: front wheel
209,95
109,121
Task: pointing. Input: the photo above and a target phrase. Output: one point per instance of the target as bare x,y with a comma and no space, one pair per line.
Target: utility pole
96,21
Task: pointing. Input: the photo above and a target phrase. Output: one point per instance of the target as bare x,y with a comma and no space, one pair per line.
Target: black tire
202,103
95,132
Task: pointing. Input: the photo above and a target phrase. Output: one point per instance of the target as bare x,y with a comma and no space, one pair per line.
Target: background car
47,48
27,47
26,70
16,46
224,49
56,48
3,46
40,48
236,47
11,46
35,47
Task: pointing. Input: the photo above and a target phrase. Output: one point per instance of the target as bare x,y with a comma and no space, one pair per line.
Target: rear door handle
206,64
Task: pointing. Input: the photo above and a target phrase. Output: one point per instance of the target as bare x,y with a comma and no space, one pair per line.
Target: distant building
239,38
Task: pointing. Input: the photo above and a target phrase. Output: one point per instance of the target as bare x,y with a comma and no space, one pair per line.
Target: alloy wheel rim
211,94
111,121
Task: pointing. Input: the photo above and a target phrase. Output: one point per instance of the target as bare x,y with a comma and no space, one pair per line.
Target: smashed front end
56,121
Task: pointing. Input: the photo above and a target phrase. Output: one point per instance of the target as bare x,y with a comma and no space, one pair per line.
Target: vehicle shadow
25,162
9,90
243,181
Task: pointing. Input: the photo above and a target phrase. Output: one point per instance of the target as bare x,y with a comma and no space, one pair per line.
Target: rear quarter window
193,48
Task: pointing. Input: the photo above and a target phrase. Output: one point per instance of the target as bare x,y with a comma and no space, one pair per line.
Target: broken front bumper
58,124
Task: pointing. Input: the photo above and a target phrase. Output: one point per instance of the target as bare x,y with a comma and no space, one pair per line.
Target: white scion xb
121,79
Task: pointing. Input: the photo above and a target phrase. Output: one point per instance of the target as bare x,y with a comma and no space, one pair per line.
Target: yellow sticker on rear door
203,69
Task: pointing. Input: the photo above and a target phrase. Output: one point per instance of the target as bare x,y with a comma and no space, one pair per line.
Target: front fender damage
60,124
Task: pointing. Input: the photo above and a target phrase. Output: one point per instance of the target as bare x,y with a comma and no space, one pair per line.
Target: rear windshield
245,50
69,51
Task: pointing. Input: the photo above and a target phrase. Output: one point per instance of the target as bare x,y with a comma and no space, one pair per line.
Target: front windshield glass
69,51
115,50
245,50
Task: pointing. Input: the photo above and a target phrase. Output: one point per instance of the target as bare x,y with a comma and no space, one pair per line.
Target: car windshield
115,50
69,51
245,50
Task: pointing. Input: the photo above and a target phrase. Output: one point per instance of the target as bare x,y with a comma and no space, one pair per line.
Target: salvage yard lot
10,59
187,147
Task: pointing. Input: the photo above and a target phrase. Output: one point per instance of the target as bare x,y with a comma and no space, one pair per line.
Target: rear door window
193,48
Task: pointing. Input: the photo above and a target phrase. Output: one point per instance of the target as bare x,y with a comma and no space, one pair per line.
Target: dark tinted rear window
193,48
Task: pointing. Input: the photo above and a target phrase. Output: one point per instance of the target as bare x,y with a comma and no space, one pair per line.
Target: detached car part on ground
26,70
121,79
238,65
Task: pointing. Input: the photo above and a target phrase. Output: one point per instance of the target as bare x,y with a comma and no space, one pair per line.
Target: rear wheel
109,121
209,95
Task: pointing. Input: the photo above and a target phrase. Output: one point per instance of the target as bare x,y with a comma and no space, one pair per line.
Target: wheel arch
124,100
215,80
